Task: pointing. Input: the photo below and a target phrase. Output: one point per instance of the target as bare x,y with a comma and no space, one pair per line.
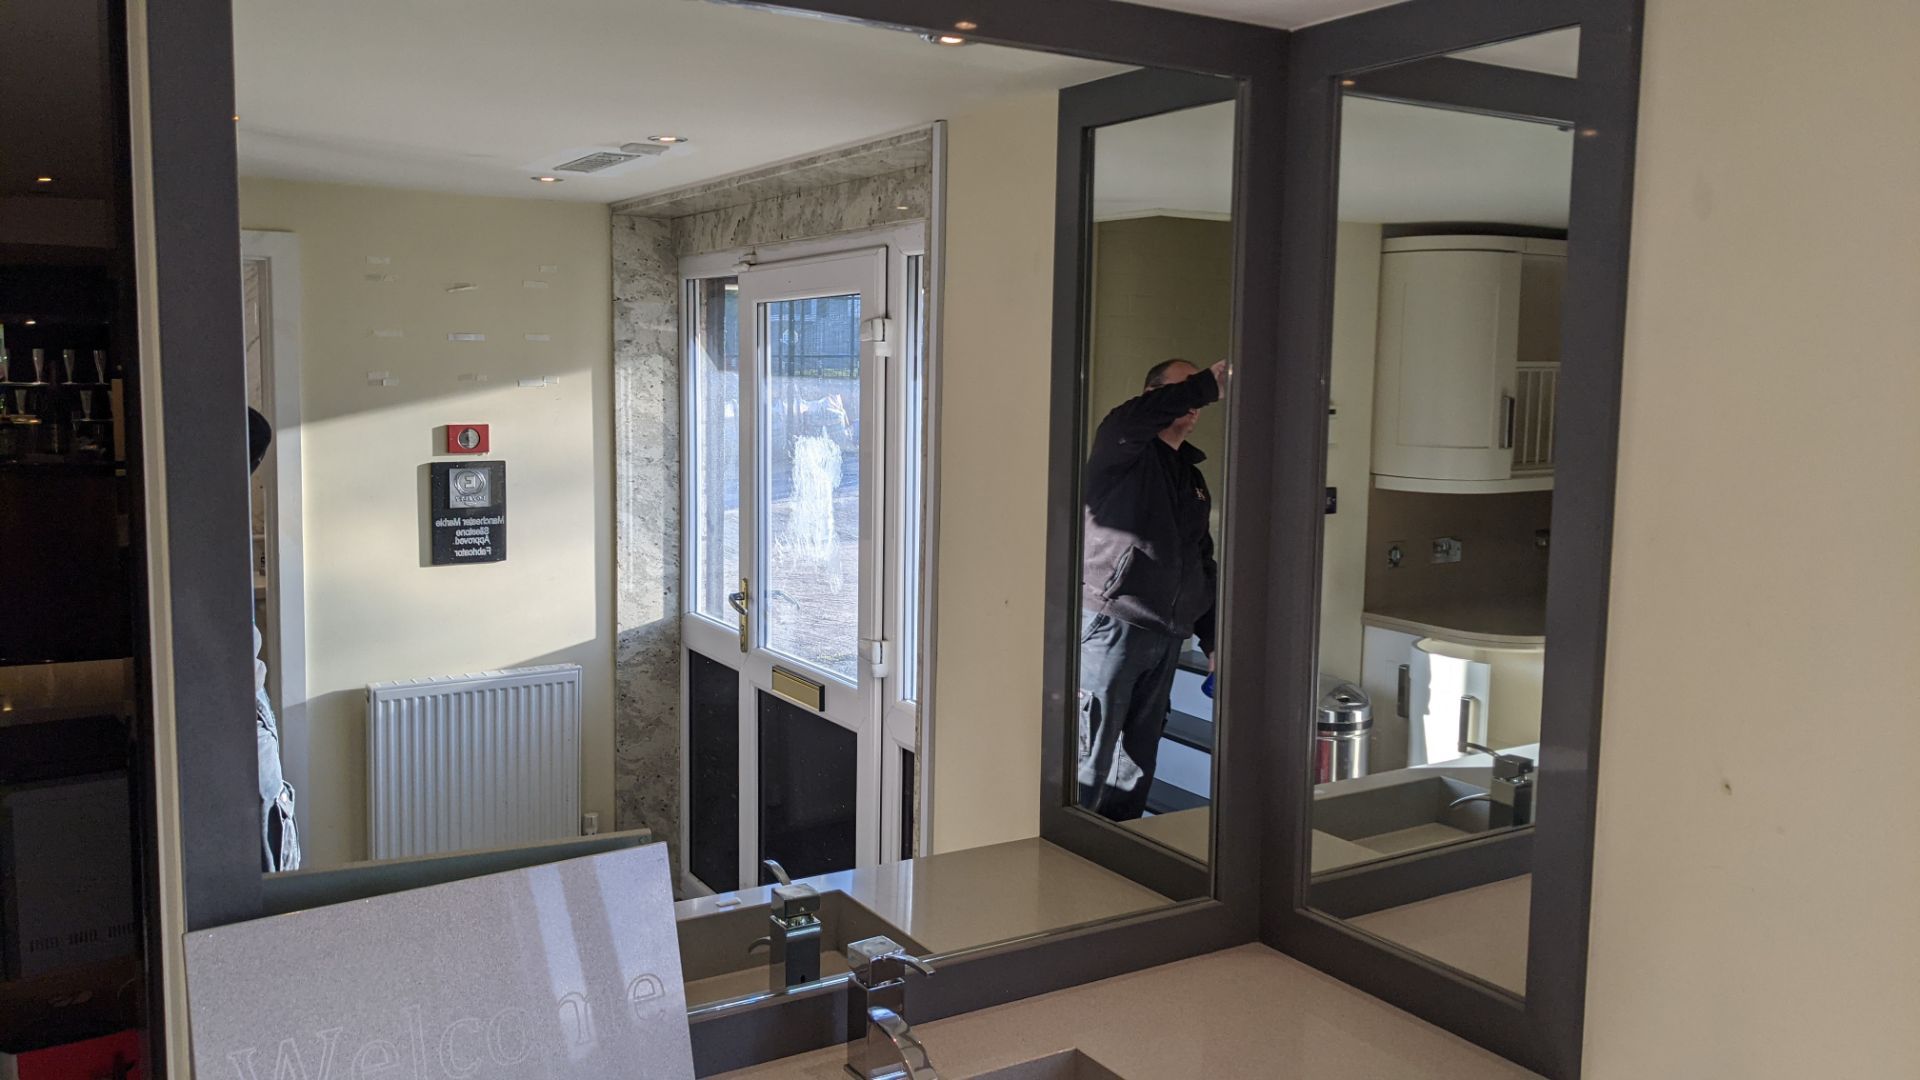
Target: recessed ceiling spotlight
966,24
1346,82
547,179
236,118
43,179
668,140
33,322
944,39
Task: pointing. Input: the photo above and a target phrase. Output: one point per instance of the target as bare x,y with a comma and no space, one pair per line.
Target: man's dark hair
1157,374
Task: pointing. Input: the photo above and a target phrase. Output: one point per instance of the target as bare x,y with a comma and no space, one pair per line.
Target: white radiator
459,762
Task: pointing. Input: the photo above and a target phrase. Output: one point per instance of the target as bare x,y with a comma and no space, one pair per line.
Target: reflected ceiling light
903,206
944,39
33,322
547,179
43,179
1346,82
236,118
966,24
668,140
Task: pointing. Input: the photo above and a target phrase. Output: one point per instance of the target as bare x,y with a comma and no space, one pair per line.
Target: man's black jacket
1148,552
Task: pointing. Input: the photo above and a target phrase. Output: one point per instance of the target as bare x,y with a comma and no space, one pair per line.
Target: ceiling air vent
594,162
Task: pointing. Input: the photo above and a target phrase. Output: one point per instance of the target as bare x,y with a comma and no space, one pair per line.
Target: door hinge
877,656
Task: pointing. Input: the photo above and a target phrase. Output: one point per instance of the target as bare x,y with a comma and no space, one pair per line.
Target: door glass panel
809,771
713,771
714,345
813,481
913,465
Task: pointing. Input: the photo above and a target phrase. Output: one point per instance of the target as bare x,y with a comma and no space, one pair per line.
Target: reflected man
1147,583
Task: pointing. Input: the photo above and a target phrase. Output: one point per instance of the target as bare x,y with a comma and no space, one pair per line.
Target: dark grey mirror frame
192,273
1084,109
1544,1030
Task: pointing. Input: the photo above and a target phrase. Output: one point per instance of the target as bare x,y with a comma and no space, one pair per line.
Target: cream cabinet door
1447,351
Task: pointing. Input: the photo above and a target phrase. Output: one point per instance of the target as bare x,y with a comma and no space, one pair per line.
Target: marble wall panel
646,387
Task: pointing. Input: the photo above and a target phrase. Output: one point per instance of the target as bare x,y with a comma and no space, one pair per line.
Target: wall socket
589,824
1446,549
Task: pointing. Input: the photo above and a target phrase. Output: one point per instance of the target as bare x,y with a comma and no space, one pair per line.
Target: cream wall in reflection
995,387
1343,571
373,611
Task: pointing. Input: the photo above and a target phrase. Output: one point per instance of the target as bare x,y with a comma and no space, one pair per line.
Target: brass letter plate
800,690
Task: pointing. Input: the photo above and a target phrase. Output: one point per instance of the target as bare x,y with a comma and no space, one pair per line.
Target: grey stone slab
848,206
891,154
646,387
567,970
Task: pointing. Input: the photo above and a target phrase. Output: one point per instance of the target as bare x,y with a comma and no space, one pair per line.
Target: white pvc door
813,536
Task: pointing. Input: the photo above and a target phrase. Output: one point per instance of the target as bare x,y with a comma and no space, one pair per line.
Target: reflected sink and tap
733,954
1393,818
1510,798
1382,811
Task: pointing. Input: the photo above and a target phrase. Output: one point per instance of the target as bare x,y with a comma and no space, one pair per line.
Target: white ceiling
1398,163
1286,14
1179,162
476,96
1554,53
1409,163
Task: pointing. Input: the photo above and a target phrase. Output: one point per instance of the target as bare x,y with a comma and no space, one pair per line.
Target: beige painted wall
373,611
1758,813
995,386
1162,288
1343,568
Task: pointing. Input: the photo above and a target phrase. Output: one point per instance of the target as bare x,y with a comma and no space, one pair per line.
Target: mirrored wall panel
605,428
1448,289
1161,278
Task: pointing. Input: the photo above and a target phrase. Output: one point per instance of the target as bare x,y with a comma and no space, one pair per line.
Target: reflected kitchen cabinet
1467,365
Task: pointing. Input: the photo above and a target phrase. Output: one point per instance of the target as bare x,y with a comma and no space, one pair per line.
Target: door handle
740,600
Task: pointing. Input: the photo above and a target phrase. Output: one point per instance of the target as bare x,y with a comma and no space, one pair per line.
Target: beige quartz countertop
1482,930
1247,1013
1189,832
963,899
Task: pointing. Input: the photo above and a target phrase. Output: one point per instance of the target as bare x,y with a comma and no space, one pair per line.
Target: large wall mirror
1472,230
1142,388
1449,269
759,560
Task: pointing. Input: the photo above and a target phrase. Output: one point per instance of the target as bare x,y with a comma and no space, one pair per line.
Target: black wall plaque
468,504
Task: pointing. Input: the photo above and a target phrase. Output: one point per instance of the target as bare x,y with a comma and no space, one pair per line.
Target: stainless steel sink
715,964
1400,809
1065,1065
